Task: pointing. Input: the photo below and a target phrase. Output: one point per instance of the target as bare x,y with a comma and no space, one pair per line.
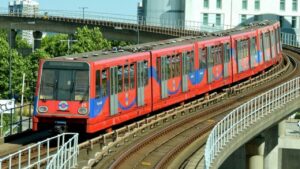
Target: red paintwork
153,99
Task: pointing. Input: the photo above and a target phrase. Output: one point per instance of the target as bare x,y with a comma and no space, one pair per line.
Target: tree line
84,40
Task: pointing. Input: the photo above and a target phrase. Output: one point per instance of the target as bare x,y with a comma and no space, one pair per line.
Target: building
211,15
24,7
168,13
230,13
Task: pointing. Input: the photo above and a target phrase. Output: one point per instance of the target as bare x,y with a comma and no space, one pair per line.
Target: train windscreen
64,81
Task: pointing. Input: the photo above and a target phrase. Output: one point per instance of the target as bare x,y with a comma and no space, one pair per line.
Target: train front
62,96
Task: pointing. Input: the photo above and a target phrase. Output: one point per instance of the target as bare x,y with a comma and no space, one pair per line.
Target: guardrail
13,120
246,115
120,18
290,39
56,152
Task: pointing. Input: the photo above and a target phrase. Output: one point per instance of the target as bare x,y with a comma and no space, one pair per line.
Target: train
98,90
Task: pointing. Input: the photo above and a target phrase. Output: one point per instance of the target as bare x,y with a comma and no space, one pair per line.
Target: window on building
243,18
295,5
218,19
206,3
282,5
294,22
219,4
257,4
205,19
244,4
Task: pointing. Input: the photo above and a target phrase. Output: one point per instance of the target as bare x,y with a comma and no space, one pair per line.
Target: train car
214,62
94,91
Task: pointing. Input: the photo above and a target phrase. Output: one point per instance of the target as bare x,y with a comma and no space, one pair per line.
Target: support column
12,38
37,35
236,160
271,148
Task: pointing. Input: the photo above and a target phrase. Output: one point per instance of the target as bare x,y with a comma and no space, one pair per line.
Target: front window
65,81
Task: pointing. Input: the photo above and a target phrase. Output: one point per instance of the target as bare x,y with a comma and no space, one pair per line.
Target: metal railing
121,18
290,39
14,120
248,114
60,151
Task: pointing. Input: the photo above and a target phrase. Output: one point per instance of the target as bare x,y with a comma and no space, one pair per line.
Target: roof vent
95,54
85,56
105,53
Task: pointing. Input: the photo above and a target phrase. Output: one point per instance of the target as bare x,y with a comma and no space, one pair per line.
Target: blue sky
127,7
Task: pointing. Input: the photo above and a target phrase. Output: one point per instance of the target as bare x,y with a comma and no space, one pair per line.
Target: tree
89,40
54,45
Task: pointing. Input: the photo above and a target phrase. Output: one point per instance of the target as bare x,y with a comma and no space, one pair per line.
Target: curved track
173,146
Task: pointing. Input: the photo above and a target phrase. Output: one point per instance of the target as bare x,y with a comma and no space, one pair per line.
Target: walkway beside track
250,119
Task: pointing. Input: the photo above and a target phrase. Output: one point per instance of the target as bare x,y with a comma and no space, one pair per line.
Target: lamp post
83,9
69,41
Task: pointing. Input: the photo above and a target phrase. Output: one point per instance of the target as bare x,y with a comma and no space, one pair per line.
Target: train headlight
43,109
82,110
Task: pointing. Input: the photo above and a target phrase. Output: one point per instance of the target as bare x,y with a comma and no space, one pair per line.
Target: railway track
159,141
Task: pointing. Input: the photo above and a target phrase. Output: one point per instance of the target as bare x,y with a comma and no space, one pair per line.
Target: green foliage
21,43
55,45
116,43
89,40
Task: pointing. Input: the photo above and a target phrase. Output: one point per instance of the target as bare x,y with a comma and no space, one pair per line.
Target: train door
210,65
142,76
184,70
113,90
253,52
164,76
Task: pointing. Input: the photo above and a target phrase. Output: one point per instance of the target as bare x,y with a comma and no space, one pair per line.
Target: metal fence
246,115
56,152
290,39
16,120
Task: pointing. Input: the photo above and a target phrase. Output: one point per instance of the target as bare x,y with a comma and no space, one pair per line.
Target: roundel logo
63,105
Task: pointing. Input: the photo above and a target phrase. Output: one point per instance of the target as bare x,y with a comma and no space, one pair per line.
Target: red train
97,90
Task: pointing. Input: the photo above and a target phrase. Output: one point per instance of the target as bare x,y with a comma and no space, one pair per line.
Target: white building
24,7
210,15
230,13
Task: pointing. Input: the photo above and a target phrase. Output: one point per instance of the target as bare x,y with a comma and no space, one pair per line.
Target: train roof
129,50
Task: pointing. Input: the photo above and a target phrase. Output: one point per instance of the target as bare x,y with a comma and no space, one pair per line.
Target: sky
126,7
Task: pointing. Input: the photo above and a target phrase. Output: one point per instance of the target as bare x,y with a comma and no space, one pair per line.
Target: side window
97,83
104,83
239,49
226,53
210,60
146,73
176,61
191,62
169,67
120,79
158,69
126,77
203,58
217,53
261,44
132,79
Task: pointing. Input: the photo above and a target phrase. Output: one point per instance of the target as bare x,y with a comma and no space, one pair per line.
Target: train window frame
97,84
126,77
104,88
210,60
202,57
120,77
42,94
169,67
146,76
132,76
226,52
192,61
81,81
